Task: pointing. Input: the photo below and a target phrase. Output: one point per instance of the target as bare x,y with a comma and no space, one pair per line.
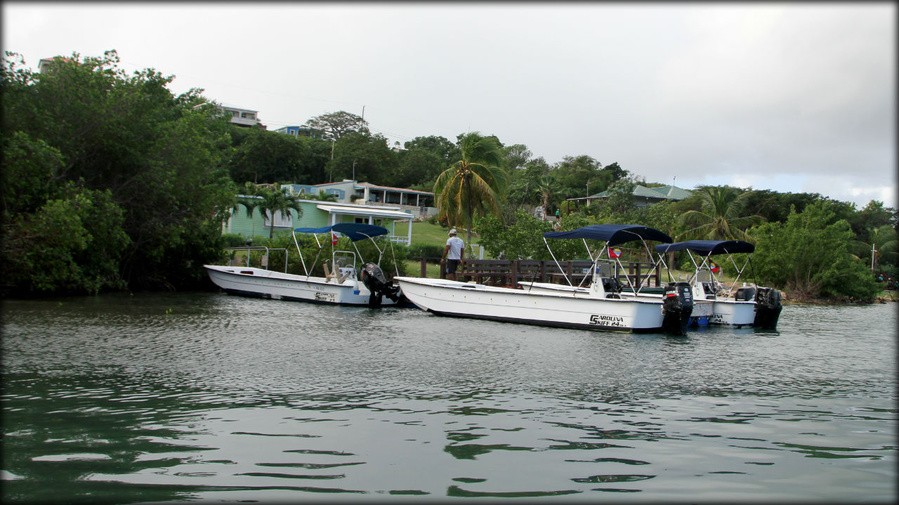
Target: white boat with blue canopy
606,272
720,303
598,306
346,281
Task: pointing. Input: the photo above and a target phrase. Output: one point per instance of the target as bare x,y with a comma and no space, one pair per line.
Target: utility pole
873,250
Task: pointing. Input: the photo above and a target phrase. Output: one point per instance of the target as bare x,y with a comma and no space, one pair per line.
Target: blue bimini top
355,231
708,247
614,234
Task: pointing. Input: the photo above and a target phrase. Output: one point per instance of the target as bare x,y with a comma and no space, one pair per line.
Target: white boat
346,282
596,307
717,303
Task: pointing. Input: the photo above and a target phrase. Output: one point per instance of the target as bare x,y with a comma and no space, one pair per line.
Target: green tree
522,239
523,183
415,167
620,200
721,216
439,146
880,251
336,125
578,176
474,185
546,189
158,157
265,157
71,244
870,219
362,157
517,157
808,256
272,200
774,206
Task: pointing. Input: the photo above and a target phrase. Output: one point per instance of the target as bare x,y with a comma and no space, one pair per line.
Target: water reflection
220,398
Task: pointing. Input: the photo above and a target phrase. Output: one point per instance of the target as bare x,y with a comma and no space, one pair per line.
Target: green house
317,213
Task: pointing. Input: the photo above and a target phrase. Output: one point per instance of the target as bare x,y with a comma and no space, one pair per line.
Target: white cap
452,232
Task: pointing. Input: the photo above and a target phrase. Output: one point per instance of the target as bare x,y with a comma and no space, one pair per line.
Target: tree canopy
335,125
118,175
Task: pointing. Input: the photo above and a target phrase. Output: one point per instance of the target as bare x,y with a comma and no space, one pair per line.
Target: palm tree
545,189
720,216
271,199
882,247
249,202
474,184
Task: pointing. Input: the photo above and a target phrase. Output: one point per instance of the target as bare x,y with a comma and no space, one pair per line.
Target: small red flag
715,268
615,253
333,239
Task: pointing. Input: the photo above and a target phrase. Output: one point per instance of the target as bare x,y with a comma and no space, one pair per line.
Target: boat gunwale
483,288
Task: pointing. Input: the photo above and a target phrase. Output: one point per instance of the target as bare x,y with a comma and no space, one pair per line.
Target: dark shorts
451,266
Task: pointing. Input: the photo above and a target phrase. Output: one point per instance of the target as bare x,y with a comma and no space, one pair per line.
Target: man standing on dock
453,254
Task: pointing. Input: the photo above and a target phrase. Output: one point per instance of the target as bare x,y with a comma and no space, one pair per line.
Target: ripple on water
220,398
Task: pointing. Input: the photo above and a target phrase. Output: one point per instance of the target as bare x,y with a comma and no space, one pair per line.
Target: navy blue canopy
614,234
708,247
355,231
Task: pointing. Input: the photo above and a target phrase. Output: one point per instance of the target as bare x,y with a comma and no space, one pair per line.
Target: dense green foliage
110,181
808,255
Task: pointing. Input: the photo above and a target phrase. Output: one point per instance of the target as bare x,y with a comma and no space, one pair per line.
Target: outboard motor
677,307
767,308
374,280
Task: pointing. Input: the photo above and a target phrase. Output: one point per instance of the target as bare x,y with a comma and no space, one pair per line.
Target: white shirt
455,248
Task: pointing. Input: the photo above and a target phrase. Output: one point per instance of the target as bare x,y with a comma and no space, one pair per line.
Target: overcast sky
792,97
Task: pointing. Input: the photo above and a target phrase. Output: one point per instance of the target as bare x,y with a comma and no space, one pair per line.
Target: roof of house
657,193
388,188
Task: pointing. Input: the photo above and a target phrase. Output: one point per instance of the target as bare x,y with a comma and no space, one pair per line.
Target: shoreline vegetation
136,200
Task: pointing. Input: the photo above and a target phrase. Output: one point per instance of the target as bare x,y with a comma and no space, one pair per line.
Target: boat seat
611,285
328,274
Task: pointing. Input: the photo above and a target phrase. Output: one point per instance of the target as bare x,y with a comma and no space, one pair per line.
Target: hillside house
643,196
419,203
242,117
317,213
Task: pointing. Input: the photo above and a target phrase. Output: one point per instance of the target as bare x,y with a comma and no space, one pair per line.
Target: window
282,220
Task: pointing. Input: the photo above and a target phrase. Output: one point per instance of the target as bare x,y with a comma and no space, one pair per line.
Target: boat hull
539,307
730,312
260,283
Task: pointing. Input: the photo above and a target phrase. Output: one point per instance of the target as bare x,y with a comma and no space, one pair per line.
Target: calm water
212,398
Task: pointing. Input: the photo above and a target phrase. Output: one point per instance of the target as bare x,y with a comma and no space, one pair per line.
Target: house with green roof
643,195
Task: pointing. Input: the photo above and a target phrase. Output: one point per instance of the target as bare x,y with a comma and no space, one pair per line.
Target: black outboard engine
767,308
677,307
374,280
